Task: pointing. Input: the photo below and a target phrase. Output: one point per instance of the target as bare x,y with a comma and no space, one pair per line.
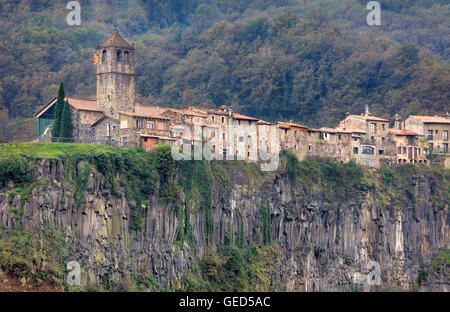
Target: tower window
126,56
104,56
118,55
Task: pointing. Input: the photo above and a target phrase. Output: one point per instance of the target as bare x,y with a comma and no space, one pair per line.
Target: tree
59,107
66,122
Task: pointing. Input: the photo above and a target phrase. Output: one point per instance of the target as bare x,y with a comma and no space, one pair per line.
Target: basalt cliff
224,225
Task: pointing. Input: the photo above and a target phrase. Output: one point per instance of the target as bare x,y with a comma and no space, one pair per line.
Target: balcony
429,137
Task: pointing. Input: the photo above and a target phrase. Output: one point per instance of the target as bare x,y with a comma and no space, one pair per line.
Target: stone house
268,134
243,140
84,113
143,128
371,133
407,149
434,130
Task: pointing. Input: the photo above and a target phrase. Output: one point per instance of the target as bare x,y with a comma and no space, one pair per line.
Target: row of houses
365,138
114,118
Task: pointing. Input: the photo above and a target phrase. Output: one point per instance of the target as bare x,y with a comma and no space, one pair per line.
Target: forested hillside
309,61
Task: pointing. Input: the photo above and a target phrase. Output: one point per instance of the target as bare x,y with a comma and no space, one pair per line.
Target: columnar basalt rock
324,241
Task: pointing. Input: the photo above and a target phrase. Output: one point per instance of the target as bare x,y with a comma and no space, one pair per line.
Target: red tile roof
368,117
76,103
144,114
292,125
84,104
149,110
402,132
240,116
431,119
263,122
115,40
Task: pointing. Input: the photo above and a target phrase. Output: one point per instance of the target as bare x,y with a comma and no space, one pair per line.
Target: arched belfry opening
119,55
104,56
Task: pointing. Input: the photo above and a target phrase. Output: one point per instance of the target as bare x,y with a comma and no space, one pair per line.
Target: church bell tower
115,75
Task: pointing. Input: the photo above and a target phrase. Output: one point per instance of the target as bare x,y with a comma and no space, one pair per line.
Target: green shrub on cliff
17,252
14,168
232,269
314,170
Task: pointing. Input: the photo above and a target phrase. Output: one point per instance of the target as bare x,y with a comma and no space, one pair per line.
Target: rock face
327,240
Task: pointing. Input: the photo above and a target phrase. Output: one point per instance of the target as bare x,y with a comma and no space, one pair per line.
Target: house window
145,139
212,118
446,148
380,152
445,135
430,135
368,150
241,139
399,150
437,131
373,127
223,136
138,123
339,137
383,126
223,119
383,140
355,150
431,146
309,148
149,125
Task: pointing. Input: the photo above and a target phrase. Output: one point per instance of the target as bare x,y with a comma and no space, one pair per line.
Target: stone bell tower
115,75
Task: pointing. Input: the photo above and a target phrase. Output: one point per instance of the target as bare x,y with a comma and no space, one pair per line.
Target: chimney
347,114
397,124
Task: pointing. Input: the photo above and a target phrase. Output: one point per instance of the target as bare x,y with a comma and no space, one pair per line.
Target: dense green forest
306,60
